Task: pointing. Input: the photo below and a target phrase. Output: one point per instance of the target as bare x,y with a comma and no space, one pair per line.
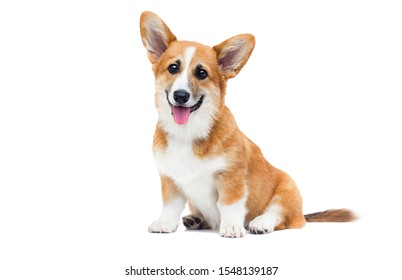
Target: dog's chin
198,127
181,114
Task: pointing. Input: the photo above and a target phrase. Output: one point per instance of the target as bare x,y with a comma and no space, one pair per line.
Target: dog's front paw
232,231
163,226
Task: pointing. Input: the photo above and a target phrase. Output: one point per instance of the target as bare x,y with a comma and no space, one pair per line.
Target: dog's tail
332,215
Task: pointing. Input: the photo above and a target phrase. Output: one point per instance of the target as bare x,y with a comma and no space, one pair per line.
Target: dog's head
190,78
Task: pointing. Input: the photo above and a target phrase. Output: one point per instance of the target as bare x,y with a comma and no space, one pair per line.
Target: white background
321,96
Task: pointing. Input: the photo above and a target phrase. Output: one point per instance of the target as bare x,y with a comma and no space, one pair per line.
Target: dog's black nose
181,96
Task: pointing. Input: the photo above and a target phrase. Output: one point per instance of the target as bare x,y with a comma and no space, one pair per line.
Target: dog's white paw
232,231
262,224
163,226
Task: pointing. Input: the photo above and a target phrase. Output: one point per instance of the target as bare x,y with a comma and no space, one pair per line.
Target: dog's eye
201,73
173,68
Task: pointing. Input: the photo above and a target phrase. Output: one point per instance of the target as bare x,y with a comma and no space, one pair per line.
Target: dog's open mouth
181,113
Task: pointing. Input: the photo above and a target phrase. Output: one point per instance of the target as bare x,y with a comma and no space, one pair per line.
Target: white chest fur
194,176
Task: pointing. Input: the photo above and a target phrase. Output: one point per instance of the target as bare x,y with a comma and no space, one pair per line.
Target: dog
202,156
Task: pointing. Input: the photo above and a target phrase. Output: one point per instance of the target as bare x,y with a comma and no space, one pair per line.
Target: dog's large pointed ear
155,35
233,53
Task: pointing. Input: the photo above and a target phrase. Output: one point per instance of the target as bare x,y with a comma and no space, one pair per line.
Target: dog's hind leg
284,211
192,222
195,220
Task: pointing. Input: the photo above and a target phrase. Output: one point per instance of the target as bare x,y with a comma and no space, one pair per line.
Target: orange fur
169,189
160,141
333,215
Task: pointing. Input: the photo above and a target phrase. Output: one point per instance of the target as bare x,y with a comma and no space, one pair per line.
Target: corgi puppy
202,156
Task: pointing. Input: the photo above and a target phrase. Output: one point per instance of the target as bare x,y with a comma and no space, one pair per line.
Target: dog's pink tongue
180,114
